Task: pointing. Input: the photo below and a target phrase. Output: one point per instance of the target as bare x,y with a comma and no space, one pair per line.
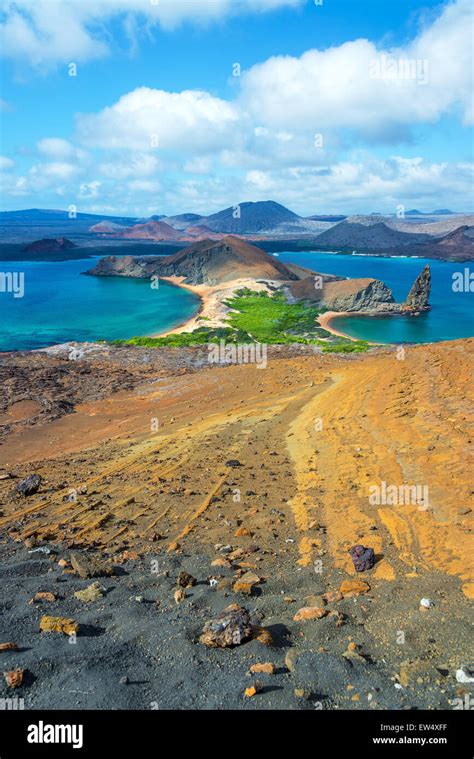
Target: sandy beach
325,322
213,311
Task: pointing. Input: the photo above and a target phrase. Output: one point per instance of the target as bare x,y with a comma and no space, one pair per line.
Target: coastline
324,321
212,311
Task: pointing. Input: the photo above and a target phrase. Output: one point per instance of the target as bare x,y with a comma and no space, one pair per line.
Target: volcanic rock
230,628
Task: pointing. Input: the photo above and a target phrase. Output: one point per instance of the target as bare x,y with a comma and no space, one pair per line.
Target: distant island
46,245
222,271
440,234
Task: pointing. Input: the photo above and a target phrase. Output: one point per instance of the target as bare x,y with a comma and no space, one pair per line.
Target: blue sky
323,116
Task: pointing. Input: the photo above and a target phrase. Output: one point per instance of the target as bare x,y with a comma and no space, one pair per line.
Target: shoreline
324,321
212,311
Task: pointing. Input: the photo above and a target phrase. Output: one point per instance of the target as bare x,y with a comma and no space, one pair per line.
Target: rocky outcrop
369,296
419,294
338,294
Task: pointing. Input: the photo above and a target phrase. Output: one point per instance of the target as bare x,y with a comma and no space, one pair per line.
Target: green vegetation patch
263,318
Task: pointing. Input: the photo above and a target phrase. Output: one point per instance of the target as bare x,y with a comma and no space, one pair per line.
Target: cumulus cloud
44,32
357,85
288,133
191,121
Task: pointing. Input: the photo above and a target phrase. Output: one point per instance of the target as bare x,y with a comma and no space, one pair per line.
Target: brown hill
206,262
151,230
49,246
209,262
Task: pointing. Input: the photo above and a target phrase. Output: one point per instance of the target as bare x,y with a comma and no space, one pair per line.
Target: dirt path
277,466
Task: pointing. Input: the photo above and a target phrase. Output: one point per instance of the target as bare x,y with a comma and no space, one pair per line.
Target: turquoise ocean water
60,305
452,314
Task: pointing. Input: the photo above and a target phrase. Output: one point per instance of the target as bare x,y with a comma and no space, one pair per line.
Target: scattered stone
58,624
8,647
233,463
464,511
252,690
179,595
243,532
237,554
185,580
310,612
42,596
14,678
302,693
263,636
221,563
63,564
124,680
230,628
30,485
246,583
91,593
332,596
353,588
362,558
267,668
87,566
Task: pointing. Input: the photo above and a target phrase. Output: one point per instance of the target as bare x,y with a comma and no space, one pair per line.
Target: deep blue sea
452,313
61,305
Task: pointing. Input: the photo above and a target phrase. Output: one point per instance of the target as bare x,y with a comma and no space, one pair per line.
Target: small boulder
353,588
230,628
310,612
363,558
14,678
246,583
91,593
30,485
58,624
88,566
267,668
185,580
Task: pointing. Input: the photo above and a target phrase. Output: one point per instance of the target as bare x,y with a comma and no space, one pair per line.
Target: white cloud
198,165
55,170
358,86
135,165
191,121
6,163
55,147
144,185
44,32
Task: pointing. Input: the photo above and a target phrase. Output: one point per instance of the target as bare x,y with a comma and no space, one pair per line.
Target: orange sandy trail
312,433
